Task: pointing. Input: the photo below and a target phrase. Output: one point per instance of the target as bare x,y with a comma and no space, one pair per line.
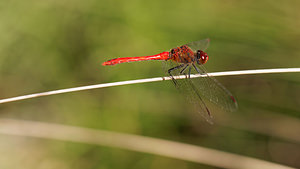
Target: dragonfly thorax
185,54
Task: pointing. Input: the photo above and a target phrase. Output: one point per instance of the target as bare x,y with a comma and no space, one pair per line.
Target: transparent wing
203,91
199,45
213,90
189,90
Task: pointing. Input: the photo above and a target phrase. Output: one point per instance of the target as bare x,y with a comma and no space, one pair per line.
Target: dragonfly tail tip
106,63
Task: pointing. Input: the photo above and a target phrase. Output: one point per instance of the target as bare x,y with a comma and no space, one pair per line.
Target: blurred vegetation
47,45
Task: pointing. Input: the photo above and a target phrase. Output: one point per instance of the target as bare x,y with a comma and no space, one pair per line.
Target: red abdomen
161,56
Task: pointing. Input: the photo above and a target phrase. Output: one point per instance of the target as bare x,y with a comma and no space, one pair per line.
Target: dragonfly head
202,57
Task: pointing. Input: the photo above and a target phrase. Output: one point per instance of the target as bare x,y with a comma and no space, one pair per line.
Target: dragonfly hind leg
175,68
181,72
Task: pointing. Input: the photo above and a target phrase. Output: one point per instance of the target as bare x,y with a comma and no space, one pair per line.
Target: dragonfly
186,60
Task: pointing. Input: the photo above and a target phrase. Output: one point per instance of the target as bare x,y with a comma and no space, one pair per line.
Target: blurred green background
48,45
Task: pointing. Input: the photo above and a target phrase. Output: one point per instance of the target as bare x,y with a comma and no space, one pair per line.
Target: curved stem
132,142
228,73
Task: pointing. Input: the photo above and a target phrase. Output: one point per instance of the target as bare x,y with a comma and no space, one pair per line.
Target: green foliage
47,45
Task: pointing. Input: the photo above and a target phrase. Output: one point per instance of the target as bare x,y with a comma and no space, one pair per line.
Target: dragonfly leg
190,69
184,68
196,68
172,69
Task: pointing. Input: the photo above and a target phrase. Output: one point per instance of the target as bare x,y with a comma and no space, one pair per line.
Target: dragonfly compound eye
202,57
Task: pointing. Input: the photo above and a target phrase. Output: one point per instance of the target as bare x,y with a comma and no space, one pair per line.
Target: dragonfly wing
204,90
213,90
187,88
199,45
197,100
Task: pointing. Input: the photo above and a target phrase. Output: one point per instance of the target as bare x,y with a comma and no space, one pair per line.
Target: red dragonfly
187,59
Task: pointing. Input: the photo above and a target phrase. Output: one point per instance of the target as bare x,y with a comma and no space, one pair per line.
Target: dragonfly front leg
197,69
